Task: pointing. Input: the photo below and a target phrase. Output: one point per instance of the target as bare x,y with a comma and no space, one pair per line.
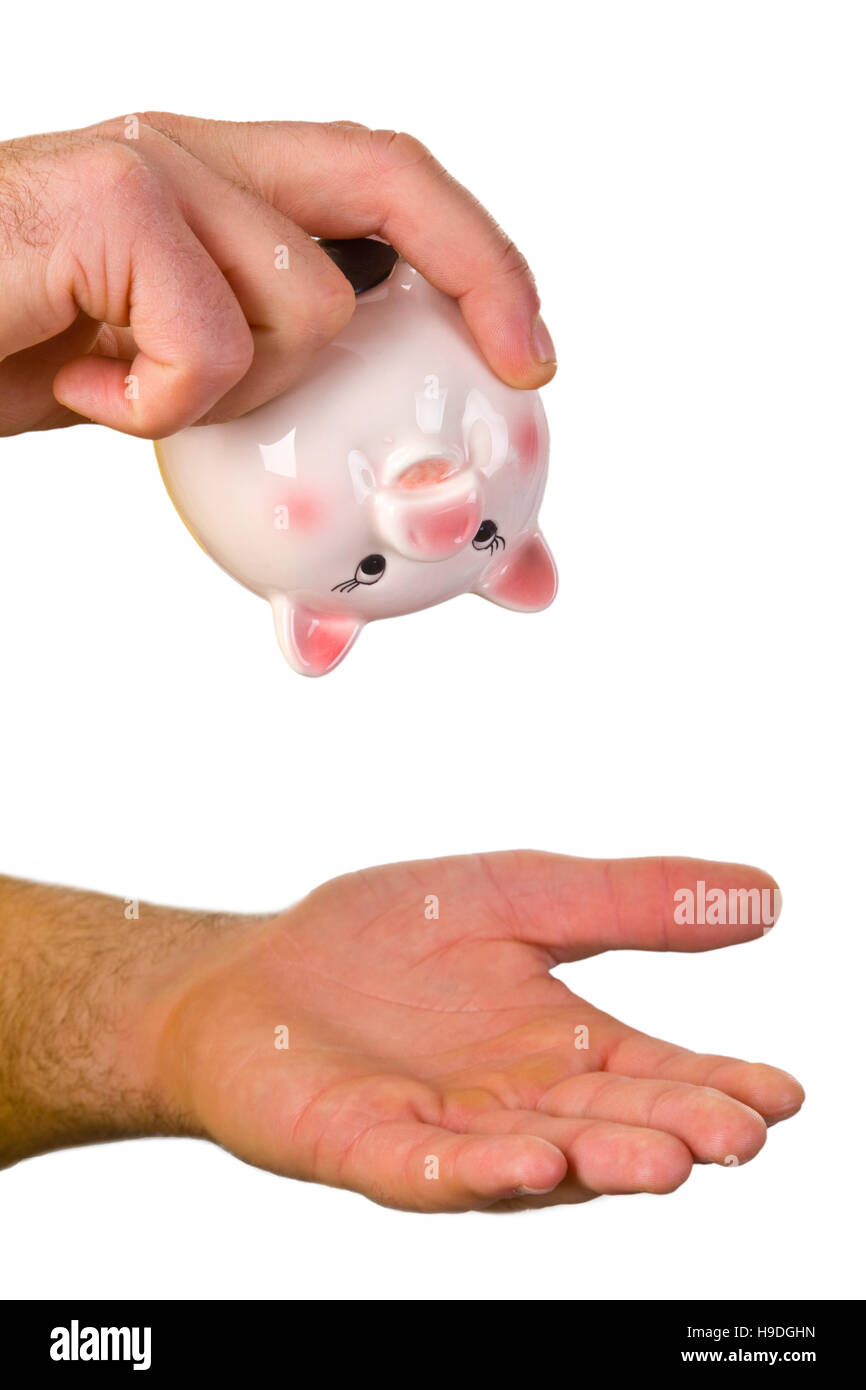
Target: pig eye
371,569
368,571
487,537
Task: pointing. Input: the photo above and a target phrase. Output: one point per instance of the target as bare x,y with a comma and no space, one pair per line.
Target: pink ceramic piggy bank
398,473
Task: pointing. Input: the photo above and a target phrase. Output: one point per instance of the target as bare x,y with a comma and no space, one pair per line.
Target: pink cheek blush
528,443
302,511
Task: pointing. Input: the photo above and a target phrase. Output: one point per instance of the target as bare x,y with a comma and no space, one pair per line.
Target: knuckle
349,128
327,304
157,120
233,357
392,151
126,125
512,262
165,125
110,166
335,301
122,127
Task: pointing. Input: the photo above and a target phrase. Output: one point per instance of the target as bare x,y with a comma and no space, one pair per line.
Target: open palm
399,1033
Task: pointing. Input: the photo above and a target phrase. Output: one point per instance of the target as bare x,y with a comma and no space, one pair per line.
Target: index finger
344,180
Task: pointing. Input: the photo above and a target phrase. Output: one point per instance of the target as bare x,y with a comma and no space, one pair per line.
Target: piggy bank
399,472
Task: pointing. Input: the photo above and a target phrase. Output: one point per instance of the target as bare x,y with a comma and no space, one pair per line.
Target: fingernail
534,1191
542,344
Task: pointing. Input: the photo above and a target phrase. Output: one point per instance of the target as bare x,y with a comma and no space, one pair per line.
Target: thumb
578,907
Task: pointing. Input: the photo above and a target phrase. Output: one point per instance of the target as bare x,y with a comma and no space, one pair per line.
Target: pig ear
312,640
526,580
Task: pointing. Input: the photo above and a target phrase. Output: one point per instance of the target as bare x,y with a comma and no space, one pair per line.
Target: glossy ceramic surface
398,473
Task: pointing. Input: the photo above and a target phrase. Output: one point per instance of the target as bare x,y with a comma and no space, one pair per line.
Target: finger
422,1167
343,180
145,269
577,907
715,1127
26,377
774,1094
293,296
379,1134
604,1158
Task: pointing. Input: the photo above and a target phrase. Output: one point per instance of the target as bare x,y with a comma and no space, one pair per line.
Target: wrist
164,1054
88,985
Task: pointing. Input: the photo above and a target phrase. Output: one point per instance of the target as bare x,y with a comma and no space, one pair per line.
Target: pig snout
432,511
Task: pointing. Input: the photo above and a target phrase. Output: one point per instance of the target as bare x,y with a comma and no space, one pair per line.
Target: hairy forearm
88,985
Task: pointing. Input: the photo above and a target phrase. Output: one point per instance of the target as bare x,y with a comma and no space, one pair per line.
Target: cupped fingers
292,295
419,1167
146,270
444,232
343,180
773,1093
604,1158
715,1127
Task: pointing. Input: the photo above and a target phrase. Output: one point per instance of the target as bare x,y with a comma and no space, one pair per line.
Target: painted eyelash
367,572
496,542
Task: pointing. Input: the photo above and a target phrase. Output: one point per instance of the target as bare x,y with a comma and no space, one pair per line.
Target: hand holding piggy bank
398,473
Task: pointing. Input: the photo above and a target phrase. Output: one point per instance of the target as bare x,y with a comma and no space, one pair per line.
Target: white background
687,181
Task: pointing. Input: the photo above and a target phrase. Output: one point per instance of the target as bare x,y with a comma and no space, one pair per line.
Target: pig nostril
426,472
